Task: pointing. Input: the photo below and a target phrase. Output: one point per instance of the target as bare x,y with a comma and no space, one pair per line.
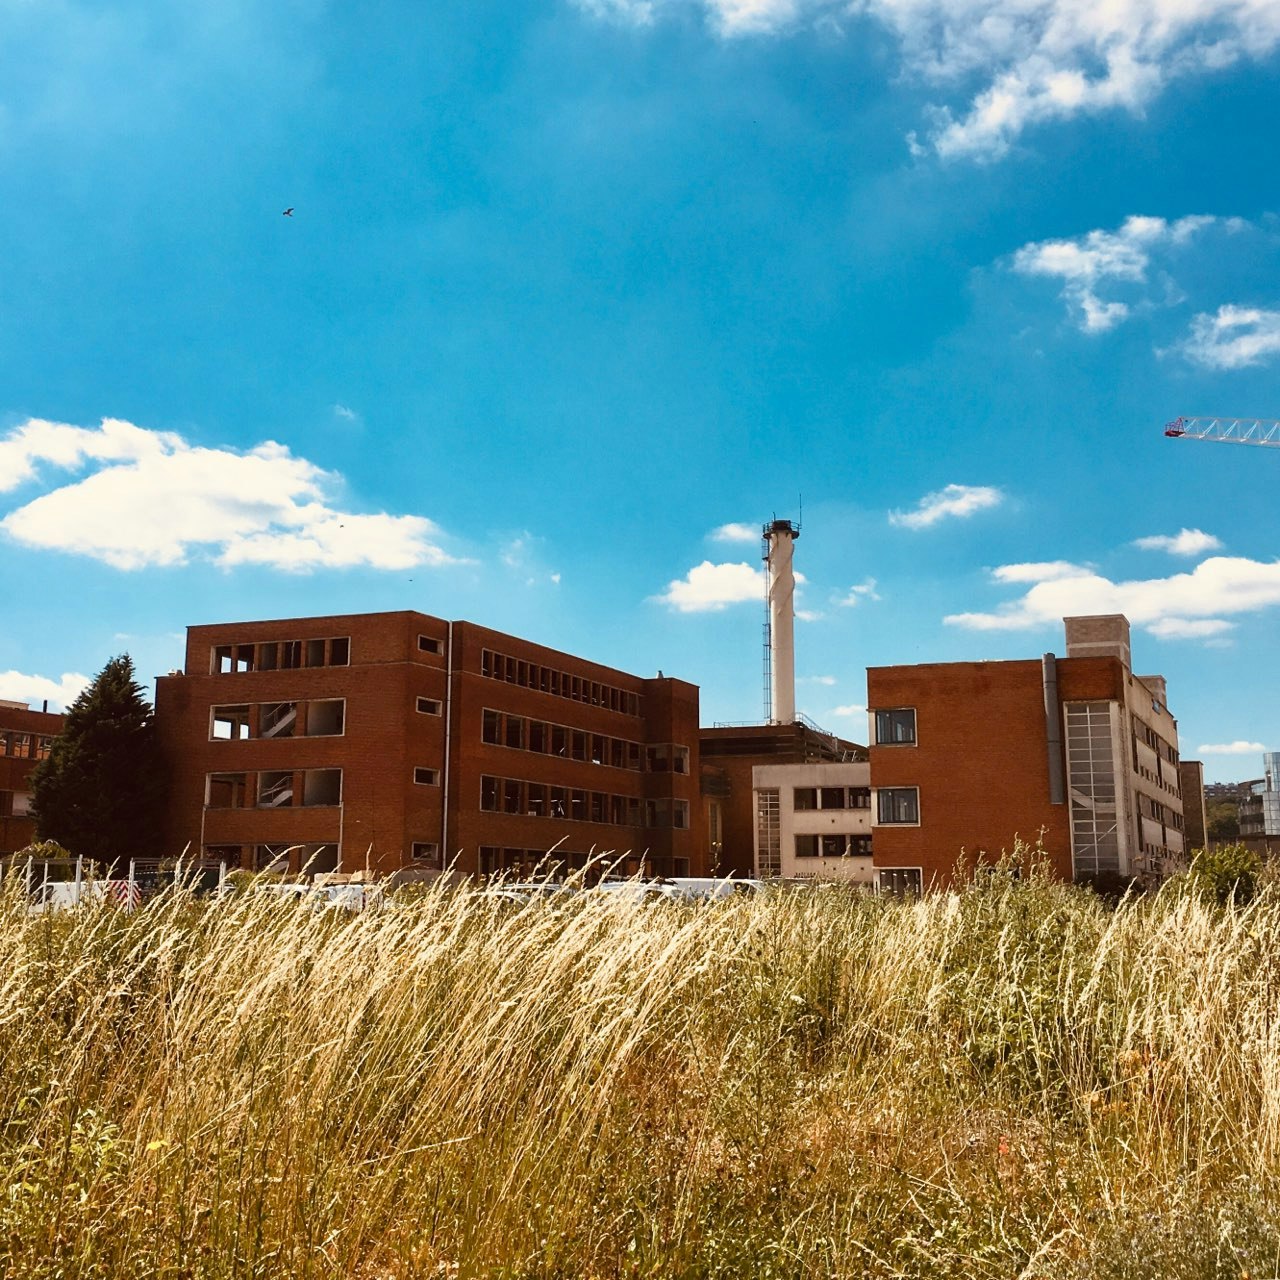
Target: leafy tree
1223,817
1227,872
99,791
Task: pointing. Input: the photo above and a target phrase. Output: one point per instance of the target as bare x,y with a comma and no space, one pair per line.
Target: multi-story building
1195,818
730,754
1077,754
813,821
26,737
390,741
1260,808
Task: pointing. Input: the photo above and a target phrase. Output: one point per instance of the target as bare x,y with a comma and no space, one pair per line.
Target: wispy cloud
1192,605
736,532
824,680
153,499
346,414
1033,63
848,710
1038,571
856,595
1237,748
1233,338
15,686
956,501
1186,542
1090,265
708,587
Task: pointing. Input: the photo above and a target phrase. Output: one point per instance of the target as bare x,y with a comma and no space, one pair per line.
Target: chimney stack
779,544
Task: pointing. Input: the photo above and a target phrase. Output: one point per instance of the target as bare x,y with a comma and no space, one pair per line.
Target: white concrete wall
785,778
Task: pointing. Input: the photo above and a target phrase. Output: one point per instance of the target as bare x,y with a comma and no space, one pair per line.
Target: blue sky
571,287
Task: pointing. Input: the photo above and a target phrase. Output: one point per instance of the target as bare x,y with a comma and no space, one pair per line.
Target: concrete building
26,738
1260,808
1078,753
391,741
813,821
730,755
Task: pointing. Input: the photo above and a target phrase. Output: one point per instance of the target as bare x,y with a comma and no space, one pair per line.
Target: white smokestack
780,539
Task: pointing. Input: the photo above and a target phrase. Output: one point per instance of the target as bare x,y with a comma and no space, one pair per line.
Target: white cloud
34,690
824,680
809,615
1237,748
850,709
1233,338
1033,61
1087,264
708,587
1186,542
346,414
154,499
736,532
958,500
1186,605
1039,571
857,595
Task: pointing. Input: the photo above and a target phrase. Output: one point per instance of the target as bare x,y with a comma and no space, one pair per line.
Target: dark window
895,726
491,728
899,804
860,846
900,880
833,797
578,805
539,736
578,745
489,794
806,846
340,652
429,644
426,777
512,801
426,852
430,706
515,732
537,799
315,653
805,798
859,797
833,846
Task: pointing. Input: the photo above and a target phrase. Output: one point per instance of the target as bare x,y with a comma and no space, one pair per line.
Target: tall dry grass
1014,1080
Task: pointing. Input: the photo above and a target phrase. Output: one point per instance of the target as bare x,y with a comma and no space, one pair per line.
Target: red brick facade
25,738
527,747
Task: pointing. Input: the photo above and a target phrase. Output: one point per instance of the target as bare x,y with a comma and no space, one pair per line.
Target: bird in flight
288,213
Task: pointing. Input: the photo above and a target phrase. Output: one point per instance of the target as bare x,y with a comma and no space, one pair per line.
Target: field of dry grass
1015,1080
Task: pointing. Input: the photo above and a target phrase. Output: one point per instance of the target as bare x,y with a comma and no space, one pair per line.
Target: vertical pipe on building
1053,730
448,733
780,537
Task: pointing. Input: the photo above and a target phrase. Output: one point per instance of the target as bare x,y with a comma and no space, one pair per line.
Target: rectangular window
804,798
340,651
44,745
430,706
515,732
859,797
230,724
486,662
22,804
426,853
578,744
291,654
277,719
656,759
322,787
899,805
20,745
225,790
539,736
489,794
512,799
597,749
325,719
598,807
578,805
860,846
491,728
559,740
902,881
834,797
896,726
559,802
680,815
426,777
537,800
806,846
268,656
314,653
833,846
429,644
275,789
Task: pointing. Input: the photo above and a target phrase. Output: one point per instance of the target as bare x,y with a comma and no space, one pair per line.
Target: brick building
1077,752
398,740
26,737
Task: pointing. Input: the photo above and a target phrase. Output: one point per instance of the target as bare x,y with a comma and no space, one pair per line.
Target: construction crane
1228,430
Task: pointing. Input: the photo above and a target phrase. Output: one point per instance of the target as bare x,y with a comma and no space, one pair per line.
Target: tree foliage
1223,819
100,790
1228,872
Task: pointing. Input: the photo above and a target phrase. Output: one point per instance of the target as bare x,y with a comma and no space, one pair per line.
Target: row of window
532,675
25,746
574,804
1150,807
280,655
806,798
1145,733
524,734
833,846
273,789
240,722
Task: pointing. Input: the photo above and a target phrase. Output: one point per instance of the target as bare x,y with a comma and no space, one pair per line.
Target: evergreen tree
99,791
